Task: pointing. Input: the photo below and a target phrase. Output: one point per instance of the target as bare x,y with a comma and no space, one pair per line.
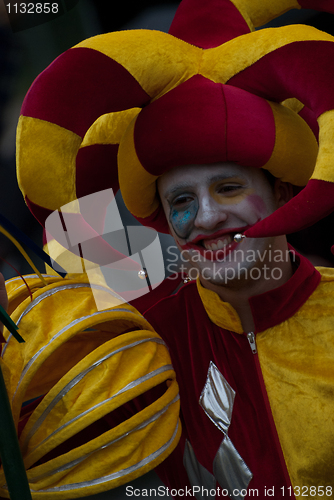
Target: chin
220,275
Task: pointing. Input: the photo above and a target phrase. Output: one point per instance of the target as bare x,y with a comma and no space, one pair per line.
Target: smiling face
207,205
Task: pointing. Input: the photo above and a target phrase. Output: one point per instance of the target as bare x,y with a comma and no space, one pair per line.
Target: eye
182,200
229,188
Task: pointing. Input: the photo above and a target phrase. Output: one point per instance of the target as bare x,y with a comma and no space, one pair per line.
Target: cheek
182,221
258,204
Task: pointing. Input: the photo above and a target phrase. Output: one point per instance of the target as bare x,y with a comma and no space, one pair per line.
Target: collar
270,308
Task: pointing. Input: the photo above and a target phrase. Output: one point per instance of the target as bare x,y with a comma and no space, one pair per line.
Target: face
206,205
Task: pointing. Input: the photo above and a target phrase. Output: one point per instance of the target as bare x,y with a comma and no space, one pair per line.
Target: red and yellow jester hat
148,97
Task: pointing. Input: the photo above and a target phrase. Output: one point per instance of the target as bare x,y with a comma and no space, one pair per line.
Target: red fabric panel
313,203
311,120
78,87
40,213
197,121
280,304
193,342
304,70
96,169
184,126
167,287
250,128
157,220
322,5
207,23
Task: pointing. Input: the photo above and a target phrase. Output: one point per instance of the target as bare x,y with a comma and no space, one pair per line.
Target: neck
238,292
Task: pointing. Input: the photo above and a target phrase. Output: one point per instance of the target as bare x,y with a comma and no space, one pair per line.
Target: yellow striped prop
84,434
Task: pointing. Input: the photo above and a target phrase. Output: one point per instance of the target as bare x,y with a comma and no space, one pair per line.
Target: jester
206,130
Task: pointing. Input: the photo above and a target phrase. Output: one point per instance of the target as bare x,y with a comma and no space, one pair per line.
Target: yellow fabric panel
103,459
134,180
39,328
244,11
295,151
103,382
293,104
17,291
50,370
223,62
71,263
51,160
259,12
324,170
296,359
157,60
221,313
109,128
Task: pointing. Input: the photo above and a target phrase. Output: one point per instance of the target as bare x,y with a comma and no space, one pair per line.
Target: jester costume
256,415
119,110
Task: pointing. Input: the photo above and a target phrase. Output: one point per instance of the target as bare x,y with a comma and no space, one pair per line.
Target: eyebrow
179,187
209,179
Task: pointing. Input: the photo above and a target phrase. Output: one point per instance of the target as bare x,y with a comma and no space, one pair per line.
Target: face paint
229,192
182,217
258,203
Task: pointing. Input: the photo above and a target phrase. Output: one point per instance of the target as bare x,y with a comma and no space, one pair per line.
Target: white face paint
206,205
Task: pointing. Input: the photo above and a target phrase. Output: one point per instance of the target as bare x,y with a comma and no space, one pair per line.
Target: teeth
219,244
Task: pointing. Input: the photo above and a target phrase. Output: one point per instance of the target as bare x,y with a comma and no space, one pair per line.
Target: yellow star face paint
230,191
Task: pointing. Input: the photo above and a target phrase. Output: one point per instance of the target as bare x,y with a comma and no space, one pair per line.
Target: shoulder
323,296
326,285
327,274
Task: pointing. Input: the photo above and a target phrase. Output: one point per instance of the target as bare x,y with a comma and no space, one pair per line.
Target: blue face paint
182,217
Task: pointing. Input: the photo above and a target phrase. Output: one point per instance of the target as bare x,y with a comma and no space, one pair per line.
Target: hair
270,178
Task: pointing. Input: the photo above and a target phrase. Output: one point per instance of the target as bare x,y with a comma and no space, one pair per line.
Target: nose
210,213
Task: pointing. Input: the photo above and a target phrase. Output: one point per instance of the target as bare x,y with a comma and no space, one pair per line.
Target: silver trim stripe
130,386
51,292
31,276
27,276
120,473
77,379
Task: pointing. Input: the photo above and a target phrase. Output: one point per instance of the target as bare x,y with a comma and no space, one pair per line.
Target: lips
219,243
216,246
